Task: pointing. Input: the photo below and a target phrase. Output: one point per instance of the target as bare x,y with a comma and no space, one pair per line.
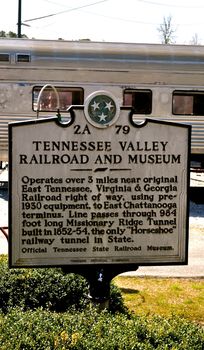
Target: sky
105,20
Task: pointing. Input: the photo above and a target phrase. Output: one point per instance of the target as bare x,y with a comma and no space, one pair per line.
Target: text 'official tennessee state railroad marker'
99,189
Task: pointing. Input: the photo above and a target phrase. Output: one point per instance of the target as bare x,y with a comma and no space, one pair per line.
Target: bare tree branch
167,30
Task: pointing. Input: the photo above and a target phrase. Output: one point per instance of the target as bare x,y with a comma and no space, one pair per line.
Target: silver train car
159,81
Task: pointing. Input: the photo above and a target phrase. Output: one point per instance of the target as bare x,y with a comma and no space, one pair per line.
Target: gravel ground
195,267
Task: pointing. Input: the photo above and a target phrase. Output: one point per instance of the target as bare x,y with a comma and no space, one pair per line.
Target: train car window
67,95
188,103
140,100
22,58
4,57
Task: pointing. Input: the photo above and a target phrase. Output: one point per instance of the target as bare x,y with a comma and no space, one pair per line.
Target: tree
10,34
195,40
167,30
2,34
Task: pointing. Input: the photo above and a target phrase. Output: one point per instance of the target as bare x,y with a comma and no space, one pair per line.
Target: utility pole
19,18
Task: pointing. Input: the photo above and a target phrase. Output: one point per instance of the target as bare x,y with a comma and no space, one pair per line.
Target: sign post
99,194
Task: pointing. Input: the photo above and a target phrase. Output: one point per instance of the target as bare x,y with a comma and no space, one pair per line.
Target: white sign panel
98,190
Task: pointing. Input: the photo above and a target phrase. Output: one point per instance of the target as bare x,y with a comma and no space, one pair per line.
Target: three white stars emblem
101,109
108,106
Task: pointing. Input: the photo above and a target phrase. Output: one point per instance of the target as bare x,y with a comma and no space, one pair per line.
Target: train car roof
106,51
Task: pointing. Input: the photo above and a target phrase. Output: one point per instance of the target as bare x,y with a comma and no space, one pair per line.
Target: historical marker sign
99,190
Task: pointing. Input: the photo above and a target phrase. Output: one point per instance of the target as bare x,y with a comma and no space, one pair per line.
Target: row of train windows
183,102
5,57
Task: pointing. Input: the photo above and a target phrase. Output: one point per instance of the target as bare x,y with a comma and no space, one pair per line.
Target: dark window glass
140,100
48,101
4,57
23,58
188,102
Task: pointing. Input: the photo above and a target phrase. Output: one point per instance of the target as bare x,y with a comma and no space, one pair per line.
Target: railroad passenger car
159,81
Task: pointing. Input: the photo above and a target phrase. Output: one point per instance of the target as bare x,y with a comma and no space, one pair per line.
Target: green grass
164,296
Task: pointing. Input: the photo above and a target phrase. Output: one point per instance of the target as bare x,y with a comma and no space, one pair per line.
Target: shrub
90,330
48,288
